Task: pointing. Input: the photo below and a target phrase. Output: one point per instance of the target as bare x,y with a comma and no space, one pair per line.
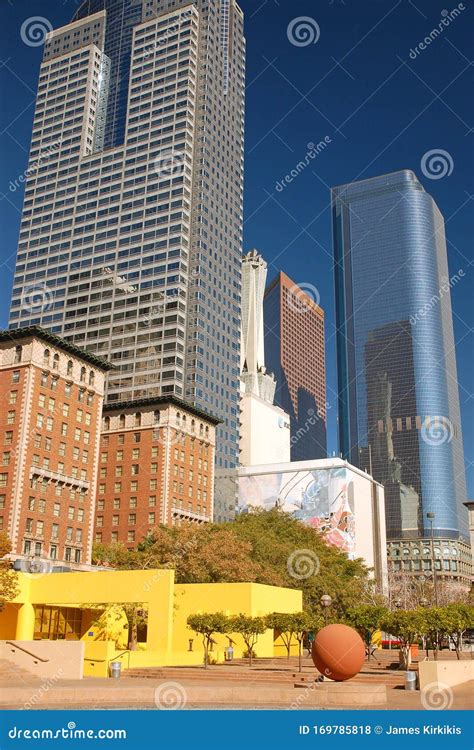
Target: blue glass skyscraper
399,414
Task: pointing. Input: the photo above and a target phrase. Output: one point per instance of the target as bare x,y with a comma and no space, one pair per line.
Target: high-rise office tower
264,427
130,241
399,414
294,348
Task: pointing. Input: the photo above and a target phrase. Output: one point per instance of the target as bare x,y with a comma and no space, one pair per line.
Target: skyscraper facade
399,414
294,348
131,235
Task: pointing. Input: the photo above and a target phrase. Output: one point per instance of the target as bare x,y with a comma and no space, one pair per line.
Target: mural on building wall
323,498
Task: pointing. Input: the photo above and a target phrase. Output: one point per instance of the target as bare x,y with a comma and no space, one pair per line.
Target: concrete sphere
338,652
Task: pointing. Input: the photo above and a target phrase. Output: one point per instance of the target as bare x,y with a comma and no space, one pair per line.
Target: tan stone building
156,467
51,394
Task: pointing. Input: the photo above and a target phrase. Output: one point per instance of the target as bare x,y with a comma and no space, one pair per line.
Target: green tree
294,625
302,624
283,623
435,626
249,628
366,619
459,618
208,624
407,625
268,547
9,588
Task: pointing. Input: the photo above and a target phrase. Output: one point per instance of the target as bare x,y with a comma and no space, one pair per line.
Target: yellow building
66,606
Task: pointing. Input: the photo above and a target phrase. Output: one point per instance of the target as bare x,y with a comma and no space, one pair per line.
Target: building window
138,420
132,519
46,355
55,361
3,479
121,421
133,502
130,536
83,375
17,355
16,376
91,377
69,367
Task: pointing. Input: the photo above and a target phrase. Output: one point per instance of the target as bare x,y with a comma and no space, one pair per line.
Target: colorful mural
323,498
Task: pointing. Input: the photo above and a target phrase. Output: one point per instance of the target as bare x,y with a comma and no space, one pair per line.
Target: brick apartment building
156,467
51,396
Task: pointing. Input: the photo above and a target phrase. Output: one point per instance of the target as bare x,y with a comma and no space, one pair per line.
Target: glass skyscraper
399,414
131,235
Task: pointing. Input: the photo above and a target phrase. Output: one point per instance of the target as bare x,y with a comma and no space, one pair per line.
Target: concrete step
9,671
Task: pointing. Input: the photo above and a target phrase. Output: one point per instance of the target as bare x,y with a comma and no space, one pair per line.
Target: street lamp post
425,603
431,516
325,602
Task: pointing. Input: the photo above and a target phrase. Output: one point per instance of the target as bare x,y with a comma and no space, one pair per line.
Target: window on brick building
16,376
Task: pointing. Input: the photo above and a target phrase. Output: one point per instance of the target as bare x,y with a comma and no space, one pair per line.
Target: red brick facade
51,398
156,467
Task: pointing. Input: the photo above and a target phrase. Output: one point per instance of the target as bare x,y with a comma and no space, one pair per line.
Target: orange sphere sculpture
338,652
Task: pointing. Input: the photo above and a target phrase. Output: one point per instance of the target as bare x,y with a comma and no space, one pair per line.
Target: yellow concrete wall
168,606
152,588
252,599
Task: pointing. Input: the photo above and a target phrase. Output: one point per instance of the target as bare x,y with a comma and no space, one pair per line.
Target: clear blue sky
381,109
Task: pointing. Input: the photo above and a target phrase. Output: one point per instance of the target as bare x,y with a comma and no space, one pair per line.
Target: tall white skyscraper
131,236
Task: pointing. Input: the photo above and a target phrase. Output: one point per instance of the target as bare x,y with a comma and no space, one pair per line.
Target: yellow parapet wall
168,641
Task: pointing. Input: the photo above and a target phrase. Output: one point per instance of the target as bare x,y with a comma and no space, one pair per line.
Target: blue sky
350,79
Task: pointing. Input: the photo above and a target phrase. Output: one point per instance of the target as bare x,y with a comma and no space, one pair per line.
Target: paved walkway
272,683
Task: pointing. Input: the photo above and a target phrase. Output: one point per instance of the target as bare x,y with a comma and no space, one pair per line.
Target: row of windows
38,530
70,555
132,503
54,362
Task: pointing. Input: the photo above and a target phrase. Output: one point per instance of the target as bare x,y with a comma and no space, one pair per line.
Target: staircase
12,673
